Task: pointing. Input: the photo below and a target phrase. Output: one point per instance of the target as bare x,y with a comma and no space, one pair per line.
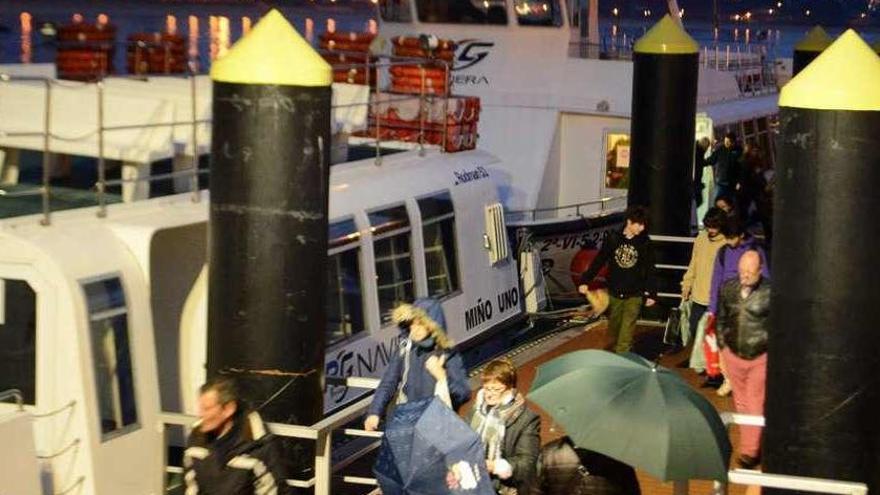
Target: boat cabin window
462,11
538,12
616,160
395,10
18,338
438,231
391,248
345,309
111,352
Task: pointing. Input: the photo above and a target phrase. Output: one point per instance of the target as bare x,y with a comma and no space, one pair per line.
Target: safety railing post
323,463
102,166
422,104
378,115
47,173
194,178
445,107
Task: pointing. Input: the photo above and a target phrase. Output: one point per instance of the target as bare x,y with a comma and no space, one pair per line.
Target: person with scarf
510,431
425,365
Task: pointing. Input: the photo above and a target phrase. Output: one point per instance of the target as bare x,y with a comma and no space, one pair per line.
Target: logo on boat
471,52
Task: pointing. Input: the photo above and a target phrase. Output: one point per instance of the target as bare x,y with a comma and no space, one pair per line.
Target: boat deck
648,342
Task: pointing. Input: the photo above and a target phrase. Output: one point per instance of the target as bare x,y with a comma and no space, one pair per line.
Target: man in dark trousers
230,450
727,160
631,278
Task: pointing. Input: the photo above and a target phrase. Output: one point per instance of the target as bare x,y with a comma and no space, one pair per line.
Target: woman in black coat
510,431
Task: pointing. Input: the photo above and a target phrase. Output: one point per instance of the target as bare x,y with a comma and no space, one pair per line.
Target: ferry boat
103,308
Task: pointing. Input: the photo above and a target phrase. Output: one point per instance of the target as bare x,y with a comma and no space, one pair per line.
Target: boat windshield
395,10
462,11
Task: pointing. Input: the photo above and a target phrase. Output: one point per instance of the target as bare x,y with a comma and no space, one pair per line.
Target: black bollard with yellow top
270,157
807,49
824,350
664,107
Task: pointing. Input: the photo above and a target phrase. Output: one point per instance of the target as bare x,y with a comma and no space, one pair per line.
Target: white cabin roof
145,108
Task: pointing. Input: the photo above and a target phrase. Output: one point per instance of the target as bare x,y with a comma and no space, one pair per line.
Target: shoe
748,462
713,382
724,390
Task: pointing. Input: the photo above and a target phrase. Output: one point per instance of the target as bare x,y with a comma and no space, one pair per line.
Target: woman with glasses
425,365
510,431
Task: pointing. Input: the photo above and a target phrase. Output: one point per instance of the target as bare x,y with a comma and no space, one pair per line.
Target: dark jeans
697,312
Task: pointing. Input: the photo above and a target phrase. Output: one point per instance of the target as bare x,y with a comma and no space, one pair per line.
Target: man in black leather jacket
742,326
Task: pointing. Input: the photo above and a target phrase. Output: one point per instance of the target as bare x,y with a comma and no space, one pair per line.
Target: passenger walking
726,160
697,280
738,241
511,432
564,469
743,325
230,449
631,276
425,364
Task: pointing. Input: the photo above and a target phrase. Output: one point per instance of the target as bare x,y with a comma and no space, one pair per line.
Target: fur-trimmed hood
430,312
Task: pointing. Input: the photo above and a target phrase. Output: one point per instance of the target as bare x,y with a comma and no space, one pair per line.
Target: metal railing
321,433
532,214
370,65
13,393
781,481
100,187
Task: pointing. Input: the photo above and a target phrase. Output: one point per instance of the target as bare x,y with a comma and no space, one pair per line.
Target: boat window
18,332
345,310
438,231
463,11
114,376
538,12
395,10
391,248
496,234
616,160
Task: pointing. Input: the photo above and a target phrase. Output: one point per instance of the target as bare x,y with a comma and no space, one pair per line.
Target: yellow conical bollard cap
273,53
846,76
666,37
816,40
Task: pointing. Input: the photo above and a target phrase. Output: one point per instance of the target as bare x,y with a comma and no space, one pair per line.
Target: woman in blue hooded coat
425,365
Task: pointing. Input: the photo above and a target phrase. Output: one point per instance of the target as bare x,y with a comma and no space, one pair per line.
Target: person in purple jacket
726,266
426,364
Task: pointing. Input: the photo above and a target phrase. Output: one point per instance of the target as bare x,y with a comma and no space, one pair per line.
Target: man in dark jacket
630,259
230,451
510,431
743,324
727,160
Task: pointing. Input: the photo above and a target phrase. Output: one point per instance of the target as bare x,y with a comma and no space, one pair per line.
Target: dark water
209,27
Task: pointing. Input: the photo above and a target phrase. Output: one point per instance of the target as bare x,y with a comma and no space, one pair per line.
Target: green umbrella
639,413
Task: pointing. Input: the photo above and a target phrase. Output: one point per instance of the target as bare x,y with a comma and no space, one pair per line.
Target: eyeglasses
495,390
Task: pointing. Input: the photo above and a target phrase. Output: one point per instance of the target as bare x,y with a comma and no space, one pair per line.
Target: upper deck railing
374,135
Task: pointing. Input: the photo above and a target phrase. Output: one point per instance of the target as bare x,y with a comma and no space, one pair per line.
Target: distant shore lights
26,29
310,29
170,24
193,24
